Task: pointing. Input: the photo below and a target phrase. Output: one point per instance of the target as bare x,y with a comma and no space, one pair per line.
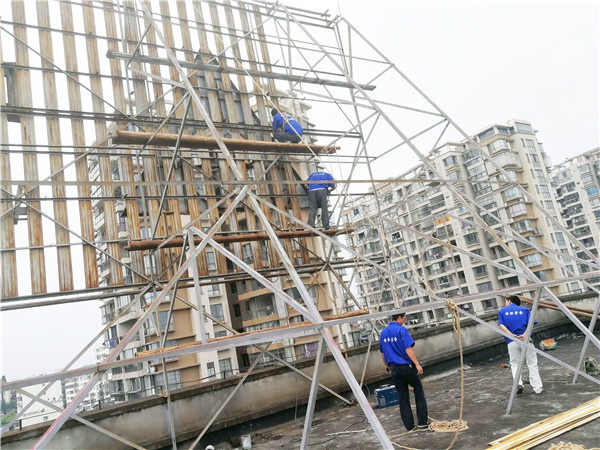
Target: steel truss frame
334,69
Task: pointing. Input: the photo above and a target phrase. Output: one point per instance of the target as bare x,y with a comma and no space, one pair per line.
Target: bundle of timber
549,428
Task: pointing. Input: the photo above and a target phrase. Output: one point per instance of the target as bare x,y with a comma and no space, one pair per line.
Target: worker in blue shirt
513,319
286,129
396,347
317,197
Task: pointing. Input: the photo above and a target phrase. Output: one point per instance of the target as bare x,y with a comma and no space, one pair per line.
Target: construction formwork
170,89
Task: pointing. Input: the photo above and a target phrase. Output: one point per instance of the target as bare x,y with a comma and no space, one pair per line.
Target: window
560,239
480,271
450,161
584,168
538,174
211,261
543,190
527,246
471,238
512,193
221,333
484,287
217,312
247,252
517,210
528,143
213,290
173,377
210,369
592,190
499,144
523,128
532,260
549,204
522,225
225,367
150,265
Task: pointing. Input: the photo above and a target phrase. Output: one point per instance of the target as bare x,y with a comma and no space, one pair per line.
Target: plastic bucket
246,442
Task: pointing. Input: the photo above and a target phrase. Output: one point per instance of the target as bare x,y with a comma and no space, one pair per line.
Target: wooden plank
86,218
248,118
37,262
127,171
8,255
209,143
214,106
152,244
61,217
110,214
261,102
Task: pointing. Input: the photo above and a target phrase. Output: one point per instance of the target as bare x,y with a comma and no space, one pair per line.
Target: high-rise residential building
41,412
577,185
235,300
439,235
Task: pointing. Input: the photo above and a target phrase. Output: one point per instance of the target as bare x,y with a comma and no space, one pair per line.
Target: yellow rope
448,426
567,446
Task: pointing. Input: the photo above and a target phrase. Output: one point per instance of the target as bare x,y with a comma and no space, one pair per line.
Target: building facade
440,237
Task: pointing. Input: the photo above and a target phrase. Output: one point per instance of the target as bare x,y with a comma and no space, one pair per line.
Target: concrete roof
486,392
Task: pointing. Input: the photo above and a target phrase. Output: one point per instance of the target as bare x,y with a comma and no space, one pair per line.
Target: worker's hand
419,369
388,370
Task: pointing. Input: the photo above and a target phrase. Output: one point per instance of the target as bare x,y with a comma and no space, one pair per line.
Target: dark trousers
318,199
282,136
404,376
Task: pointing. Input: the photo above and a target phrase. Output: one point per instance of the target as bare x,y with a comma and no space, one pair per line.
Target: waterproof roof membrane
117,75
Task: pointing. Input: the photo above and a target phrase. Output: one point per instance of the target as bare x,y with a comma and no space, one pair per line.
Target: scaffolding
182,91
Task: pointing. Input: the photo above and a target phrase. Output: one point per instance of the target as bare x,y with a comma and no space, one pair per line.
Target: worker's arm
411,354
387,368
507,331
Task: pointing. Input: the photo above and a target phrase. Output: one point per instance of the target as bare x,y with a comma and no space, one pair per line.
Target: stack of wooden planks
549,428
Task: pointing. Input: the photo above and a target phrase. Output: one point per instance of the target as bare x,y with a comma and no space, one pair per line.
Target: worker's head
514,299
274,112
401,316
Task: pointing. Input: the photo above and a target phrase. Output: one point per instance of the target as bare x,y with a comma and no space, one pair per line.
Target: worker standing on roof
513,319
286,129
317,197
396,347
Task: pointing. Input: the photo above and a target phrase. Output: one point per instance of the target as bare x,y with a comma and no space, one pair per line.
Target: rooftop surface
486,393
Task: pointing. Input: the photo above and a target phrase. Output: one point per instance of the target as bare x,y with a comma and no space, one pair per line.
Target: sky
480,62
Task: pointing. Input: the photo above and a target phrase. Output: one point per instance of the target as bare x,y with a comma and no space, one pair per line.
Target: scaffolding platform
210,143
152,244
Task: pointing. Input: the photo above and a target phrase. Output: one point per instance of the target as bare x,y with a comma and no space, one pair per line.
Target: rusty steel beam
210,143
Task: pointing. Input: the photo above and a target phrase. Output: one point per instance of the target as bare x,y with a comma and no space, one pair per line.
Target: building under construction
138,170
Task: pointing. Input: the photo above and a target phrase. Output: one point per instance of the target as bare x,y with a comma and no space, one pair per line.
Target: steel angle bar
57,424
356,390
587,341
37,398
256,275
312,398
229,397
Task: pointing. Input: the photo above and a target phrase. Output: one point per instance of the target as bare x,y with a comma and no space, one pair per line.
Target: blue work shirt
320,176
393,342
291,126
515,318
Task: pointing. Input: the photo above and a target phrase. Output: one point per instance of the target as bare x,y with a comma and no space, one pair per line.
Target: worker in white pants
513,320
514,352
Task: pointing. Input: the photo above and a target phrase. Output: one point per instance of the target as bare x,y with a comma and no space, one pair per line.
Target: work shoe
520,389
422,427
538,393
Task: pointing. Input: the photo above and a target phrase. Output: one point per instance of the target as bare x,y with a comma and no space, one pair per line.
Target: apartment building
41,412
234,299
577,185
440,237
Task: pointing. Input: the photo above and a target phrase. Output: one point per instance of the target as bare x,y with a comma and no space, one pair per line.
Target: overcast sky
480,62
